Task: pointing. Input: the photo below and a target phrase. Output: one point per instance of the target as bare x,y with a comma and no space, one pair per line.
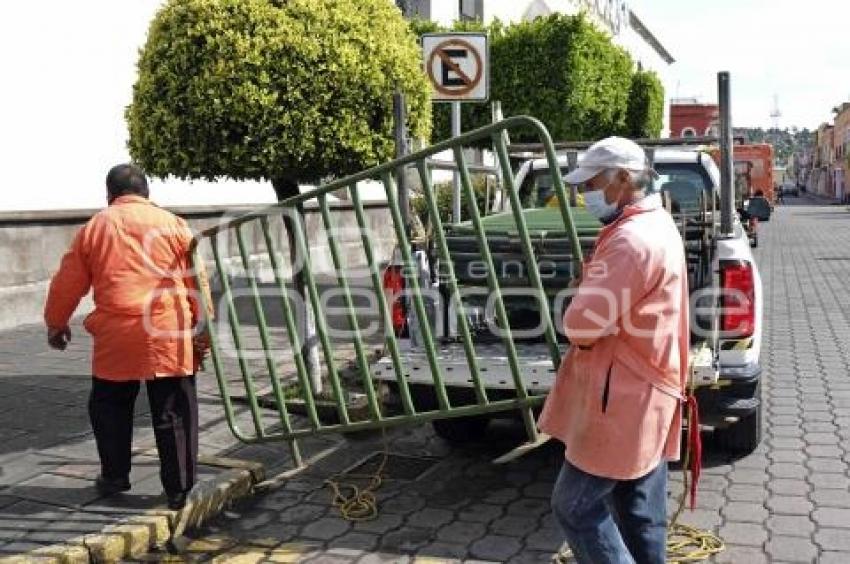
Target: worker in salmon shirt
134,255
617,400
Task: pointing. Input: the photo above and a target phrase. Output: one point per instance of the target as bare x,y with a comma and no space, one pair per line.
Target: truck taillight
393,290
738,302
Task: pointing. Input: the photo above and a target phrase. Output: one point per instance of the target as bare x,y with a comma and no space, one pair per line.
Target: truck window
685,182
538,191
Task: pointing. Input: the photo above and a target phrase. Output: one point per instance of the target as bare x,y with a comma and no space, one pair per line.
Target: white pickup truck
725,287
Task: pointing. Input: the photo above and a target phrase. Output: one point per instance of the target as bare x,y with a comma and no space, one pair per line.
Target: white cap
611,152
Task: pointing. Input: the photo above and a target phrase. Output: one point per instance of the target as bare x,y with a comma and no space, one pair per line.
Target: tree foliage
645,114
560,69
263,89
785,141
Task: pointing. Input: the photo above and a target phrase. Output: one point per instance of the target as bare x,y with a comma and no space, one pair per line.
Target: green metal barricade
262,414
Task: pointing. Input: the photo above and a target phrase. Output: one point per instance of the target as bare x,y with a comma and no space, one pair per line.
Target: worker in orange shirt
135,257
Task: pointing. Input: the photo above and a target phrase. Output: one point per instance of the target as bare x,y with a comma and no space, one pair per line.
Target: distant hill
784,141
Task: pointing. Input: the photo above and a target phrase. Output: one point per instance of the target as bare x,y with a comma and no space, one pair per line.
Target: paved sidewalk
48,459
814,199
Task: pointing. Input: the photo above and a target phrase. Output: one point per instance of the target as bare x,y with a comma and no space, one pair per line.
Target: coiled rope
360,504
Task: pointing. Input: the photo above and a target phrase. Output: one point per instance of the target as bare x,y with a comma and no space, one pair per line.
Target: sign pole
456,177
400,133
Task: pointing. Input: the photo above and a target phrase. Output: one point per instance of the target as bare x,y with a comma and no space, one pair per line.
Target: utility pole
775,114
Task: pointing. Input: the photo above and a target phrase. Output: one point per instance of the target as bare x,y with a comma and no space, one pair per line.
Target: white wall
511,11
67,70
648,57
444,12
517,10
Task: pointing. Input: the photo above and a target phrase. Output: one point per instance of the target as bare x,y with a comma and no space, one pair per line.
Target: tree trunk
304,315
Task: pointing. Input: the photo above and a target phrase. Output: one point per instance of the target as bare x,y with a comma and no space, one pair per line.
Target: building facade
613,16
689,118
841,152
820,180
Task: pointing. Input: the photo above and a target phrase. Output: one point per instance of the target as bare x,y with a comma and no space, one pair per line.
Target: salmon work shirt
616,401
135,257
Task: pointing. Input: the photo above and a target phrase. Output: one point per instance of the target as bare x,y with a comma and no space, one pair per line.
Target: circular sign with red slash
455,67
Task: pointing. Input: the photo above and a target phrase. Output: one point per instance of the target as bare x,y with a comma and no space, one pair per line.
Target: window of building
689,132
471,9
415,8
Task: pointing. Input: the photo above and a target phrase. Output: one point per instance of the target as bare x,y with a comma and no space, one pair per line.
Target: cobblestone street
787,502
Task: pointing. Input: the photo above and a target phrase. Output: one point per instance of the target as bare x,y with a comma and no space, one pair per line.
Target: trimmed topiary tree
286,91
568,73
645,116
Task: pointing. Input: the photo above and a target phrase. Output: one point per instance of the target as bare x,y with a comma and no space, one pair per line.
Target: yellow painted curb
256,551
135,536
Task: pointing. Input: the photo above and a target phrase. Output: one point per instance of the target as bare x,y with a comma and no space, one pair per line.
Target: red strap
694,445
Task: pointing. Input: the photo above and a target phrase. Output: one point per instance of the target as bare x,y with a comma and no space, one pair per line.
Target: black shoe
177,501
111,486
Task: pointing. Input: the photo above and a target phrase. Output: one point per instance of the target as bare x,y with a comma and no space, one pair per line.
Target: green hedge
645,115
562,70
255,89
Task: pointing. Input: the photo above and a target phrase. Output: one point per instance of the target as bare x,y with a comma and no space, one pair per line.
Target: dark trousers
174,415
613,521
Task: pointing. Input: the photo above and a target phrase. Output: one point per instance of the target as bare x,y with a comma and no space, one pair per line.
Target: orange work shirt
134,255
616,401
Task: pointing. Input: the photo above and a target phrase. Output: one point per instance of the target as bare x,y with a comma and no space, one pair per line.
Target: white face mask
595,204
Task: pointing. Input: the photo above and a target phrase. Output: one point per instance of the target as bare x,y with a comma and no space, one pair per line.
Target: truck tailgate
536,368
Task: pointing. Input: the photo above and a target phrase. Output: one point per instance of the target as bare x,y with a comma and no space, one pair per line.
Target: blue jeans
613,521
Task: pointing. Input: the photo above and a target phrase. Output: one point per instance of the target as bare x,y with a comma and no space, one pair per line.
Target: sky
798,51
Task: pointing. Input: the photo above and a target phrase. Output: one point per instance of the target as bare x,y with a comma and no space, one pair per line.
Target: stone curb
135,536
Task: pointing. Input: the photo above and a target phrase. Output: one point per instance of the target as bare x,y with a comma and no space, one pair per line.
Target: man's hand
58,338
201,347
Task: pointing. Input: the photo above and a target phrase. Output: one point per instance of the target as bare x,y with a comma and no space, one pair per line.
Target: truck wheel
461,429
742,437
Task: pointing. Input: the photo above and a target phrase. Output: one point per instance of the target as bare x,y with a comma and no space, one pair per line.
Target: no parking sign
457,66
